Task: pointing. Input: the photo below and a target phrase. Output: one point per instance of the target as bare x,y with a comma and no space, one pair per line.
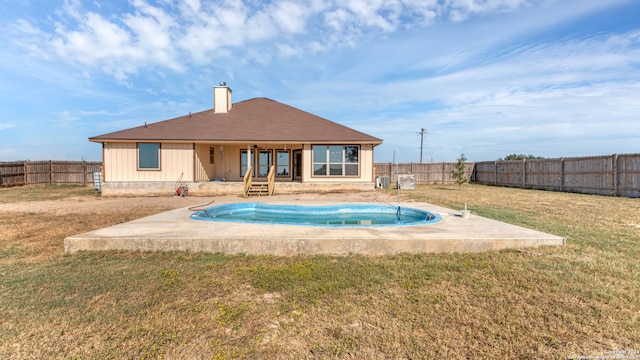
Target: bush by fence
19,173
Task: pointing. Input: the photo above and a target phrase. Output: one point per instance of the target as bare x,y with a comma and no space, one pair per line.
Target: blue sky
486,78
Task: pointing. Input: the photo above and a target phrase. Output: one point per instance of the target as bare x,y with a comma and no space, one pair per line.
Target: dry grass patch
37,237
550,302
42,192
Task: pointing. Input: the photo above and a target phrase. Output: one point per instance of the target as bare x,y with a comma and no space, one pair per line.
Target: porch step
258,189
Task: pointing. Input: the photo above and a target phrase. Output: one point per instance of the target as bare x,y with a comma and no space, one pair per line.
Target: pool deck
175,231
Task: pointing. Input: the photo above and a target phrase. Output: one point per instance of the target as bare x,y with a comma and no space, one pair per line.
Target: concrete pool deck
175,231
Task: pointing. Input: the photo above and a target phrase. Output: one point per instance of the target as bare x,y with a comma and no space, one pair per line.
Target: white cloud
290,16
215,30
119,47
25,35
192,5
172,36
5,126
460,10
287,50
379,14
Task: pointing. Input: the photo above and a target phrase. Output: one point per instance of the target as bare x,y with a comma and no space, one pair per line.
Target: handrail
271,180
247,180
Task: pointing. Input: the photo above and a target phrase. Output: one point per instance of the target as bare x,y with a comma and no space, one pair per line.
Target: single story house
234,147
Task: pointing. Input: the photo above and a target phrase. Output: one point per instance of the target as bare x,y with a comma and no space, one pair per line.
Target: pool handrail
271,180
247,180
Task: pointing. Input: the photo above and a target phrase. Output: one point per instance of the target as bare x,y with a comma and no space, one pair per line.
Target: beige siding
121,163
205,170
366,163
228,162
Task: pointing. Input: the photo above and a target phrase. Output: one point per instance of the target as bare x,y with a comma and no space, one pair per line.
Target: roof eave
236,141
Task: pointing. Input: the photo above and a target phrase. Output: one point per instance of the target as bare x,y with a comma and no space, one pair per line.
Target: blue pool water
347,215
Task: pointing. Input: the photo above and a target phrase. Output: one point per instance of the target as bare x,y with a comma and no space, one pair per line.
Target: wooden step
258,189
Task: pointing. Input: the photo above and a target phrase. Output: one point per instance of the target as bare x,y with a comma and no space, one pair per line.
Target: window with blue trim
149,156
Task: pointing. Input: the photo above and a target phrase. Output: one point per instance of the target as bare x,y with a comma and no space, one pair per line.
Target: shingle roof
254,120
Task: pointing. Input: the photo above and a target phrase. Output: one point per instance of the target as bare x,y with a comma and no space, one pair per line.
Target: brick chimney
221,98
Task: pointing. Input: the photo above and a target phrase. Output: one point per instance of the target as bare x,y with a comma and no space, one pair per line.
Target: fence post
495,173
562,174
524,173
614,158
84,173
443,172
472,176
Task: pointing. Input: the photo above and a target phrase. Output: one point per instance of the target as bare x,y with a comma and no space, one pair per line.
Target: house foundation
217,188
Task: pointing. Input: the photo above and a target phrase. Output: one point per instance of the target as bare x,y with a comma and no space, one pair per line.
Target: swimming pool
347,215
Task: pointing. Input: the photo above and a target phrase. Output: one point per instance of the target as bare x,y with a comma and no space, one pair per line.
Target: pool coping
176,231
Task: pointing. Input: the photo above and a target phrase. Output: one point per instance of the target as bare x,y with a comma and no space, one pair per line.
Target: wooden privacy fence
425,173
617,175
18,173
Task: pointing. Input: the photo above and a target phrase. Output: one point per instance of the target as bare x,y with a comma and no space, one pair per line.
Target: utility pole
421,133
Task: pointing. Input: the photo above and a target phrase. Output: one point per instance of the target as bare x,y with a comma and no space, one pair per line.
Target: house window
211,155
265,159
148,156
261,169
282,163
336,160
243,161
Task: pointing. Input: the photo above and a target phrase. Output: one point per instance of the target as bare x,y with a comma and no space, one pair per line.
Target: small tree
458,173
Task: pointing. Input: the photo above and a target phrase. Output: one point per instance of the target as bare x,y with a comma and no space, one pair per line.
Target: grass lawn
582,299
